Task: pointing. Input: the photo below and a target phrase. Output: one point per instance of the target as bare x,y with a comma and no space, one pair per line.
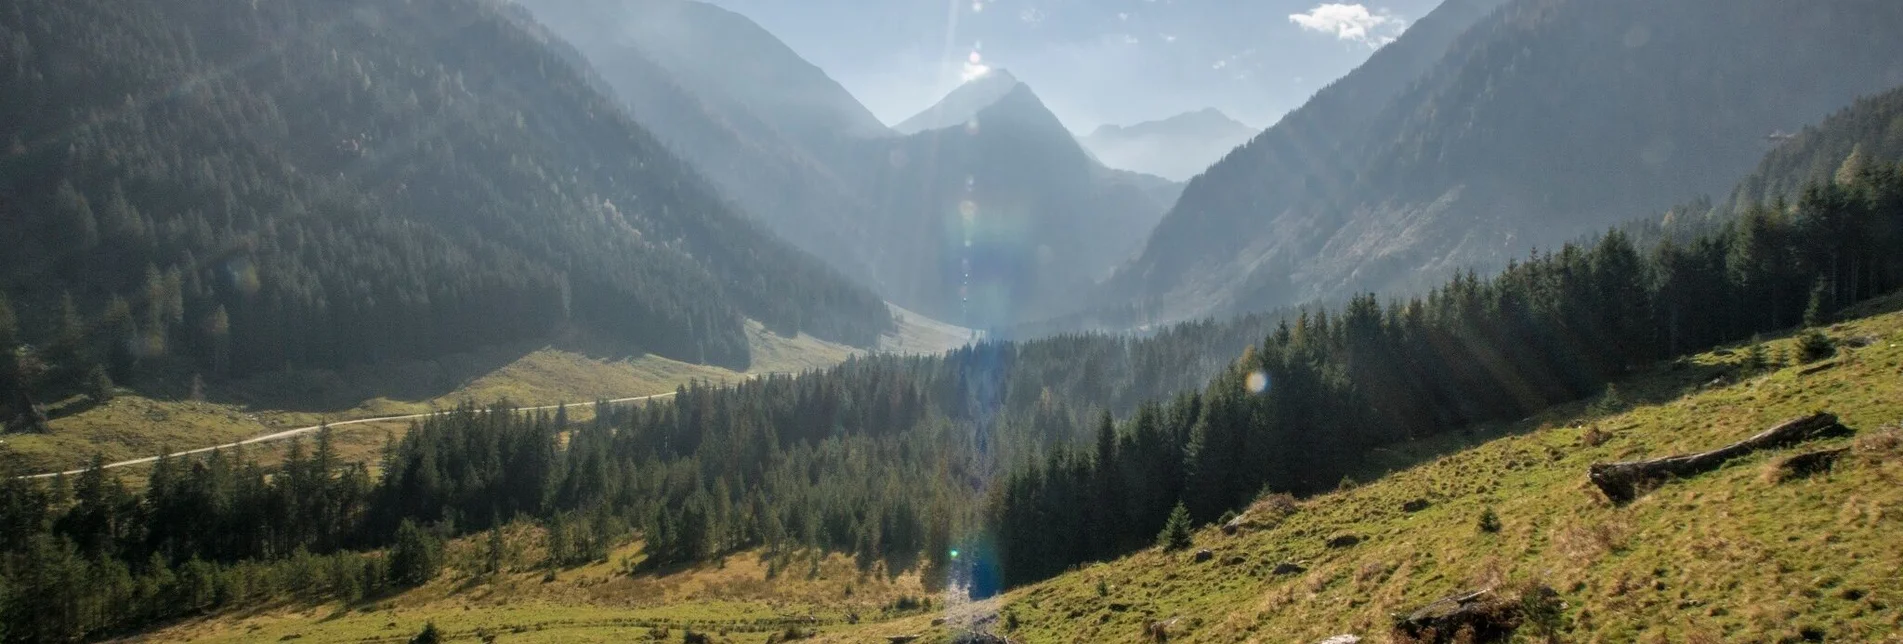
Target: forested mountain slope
766,127
228,188
1544,120
1865,134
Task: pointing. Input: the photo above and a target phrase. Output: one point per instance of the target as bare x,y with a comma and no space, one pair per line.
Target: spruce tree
99,386
1176,532
415,557
1817,312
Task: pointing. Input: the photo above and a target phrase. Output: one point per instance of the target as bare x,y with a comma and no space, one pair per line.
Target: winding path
289,433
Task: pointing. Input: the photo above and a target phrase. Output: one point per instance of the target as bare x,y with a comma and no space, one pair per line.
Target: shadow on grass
405,381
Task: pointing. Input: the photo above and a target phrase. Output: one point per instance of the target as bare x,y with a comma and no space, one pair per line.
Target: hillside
1543,121
1866,134
225,191
770,133
1746,553
1177,148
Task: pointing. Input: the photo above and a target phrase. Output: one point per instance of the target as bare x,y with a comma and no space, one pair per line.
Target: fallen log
1623,482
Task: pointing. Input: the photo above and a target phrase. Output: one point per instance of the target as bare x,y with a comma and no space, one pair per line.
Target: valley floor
574,370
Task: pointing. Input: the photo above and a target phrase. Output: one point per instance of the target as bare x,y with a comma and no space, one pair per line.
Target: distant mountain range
1177,148
1490,128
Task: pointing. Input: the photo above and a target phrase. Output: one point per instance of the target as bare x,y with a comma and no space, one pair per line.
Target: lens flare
1257,382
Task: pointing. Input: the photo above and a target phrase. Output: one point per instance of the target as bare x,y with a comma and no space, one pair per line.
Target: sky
1093,62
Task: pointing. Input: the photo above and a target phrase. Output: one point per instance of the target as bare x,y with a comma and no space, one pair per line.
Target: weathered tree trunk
1622,482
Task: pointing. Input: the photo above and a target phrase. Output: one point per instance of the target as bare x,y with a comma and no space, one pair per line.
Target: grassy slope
592,603
134,426
1730,556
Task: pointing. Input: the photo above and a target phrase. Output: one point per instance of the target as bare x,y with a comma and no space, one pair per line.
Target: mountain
1189,261
230,189
1004,217
773,148
886,209
963,103
1544,120
722,57
1862,136
1179,147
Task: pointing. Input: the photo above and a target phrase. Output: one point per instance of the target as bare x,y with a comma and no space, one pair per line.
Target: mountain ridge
1461,163
1177,148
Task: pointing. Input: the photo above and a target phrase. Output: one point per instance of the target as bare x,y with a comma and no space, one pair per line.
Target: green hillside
1749,553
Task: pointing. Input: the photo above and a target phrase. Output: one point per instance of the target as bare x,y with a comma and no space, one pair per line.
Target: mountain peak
964,102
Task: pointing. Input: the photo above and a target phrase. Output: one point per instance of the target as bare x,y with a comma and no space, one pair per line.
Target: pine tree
1852,167
1176,532
1818,312
498,549
99,386
415,557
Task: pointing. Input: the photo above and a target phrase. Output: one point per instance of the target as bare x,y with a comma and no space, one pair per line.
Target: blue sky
1092,61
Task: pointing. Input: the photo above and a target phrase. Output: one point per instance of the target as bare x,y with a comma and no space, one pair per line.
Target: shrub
1489,521
1542,610
1813,345
429,635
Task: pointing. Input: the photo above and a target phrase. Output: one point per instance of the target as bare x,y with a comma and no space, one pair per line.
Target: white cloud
1352,22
